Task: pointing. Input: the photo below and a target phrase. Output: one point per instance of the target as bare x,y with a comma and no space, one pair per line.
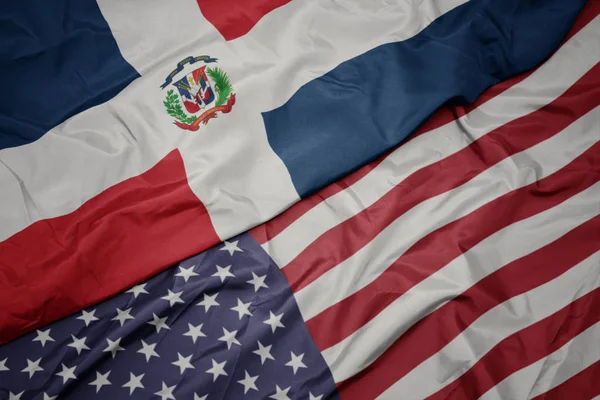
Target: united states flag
465,264
223,324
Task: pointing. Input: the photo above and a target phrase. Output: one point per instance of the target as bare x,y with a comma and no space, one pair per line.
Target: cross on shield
195,90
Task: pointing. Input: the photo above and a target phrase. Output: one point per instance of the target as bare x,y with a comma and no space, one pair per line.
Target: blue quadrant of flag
370,103
223,324
57,59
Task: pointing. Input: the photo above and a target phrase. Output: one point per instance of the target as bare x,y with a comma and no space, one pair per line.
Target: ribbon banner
207,115
189,60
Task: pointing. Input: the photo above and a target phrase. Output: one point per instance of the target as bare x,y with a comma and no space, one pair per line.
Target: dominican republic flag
454,254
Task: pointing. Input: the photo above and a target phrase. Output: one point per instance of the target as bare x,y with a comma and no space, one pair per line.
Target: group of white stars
194,332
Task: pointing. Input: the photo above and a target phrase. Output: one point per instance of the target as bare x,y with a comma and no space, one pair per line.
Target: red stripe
528,345
235,18
437,249
265,232
342,241
583,386
127,233
423,339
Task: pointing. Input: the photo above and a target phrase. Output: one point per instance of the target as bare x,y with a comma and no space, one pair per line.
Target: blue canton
221,325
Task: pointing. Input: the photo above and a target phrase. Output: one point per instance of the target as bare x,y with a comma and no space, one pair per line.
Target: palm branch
222,84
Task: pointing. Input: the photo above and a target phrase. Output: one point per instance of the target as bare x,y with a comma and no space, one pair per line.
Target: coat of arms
195,95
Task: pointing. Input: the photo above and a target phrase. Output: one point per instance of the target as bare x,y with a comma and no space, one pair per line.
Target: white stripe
148,32
502,321
267,69
316,35
319,35
493,253
555,76
230,164
517,171
551,371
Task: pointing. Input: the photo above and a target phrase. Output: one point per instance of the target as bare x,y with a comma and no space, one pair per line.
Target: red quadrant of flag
235,18
155,214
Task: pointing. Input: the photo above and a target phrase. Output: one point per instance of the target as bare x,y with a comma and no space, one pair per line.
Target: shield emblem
198,96
195,90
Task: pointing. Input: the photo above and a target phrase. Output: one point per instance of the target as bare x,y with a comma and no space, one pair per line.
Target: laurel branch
175,110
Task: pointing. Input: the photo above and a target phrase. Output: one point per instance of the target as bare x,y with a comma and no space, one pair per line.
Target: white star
264,352
223,272
135,382
217,369
231,247
123,316
173,298
159,323
88,317
101,380
48,397
3,366
274,321
43,337
33,367
194,332
113,347
280,394
209,301
67,373
166,392
313,397
242,308
186,273
137,290
183,363
196,397
148,350
229,338
296,362
249,382
78,344
258,282
12,396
